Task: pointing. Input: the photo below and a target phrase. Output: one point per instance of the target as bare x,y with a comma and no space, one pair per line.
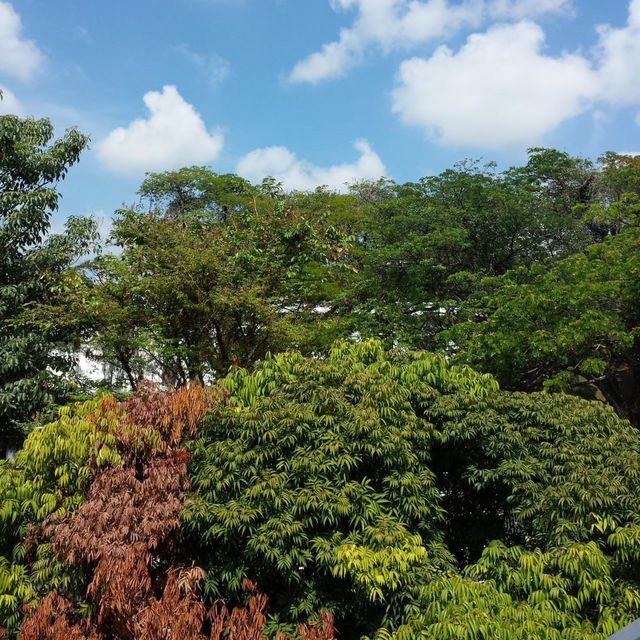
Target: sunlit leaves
572,325
319,469
48,476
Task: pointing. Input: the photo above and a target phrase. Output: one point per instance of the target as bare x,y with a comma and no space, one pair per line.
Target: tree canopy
400,493
32,355
404,411
222,275
572,324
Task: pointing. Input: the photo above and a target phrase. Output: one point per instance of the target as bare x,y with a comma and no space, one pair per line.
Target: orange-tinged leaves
123,538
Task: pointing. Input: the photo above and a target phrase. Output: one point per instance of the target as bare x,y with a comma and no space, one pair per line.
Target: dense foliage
214,279
408,410
573,324
32,355
529,274
401,493
318,465
102,517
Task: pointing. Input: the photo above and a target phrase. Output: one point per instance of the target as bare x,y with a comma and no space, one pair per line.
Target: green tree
316,480
406,495
620,175
32,356
193,189
223,274
373,483
424,247
49,476
571,325
516,594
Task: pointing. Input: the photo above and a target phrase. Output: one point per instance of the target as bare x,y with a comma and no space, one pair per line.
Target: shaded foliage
569,325
117,541
355,482
423,247
317,464
400,491
32,355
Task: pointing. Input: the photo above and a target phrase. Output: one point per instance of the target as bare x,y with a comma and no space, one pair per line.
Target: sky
318,92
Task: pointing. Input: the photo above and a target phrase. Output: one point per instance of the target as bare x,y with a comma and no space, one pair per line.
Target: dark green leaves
30,363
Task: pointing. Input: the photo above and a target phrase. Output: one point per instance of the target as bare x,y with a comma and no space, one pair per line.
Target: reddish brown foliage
178,613
123,510
152,422
243,623
124,538
323,629
55,619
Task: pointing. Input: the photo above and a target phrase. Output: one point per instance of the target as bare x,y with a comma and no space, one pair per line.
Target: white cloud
521,9
285,167
9,103
402,24
498,90
18,57
214,67
174,135
618,51
388,24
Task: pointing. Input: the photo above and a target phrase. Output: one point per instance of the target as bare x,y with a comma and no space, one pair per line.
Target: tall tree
572,325
423,247
31,357
222,274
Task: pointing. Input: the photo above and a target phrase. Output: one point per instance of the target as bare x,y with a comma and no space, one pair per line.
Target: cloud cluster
401,24
388,24
498,89
18,57
284,166
172,136
619,53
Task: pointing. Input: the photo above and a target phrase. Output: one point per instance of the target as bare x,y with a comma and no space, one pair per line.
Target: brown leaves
246,623
54,620
243,623
123,510
168,414
177,614
127,527
124,537
323,629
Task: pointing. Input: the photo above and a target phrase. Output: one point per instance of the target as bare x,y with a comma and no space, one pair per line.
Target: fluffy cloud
285,167
388,24
401,24
9,103
619,56
497,90
18,57
174,135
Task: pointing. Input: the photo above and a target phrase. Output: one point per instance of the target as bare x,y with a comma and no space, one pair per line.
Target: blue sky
318,91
